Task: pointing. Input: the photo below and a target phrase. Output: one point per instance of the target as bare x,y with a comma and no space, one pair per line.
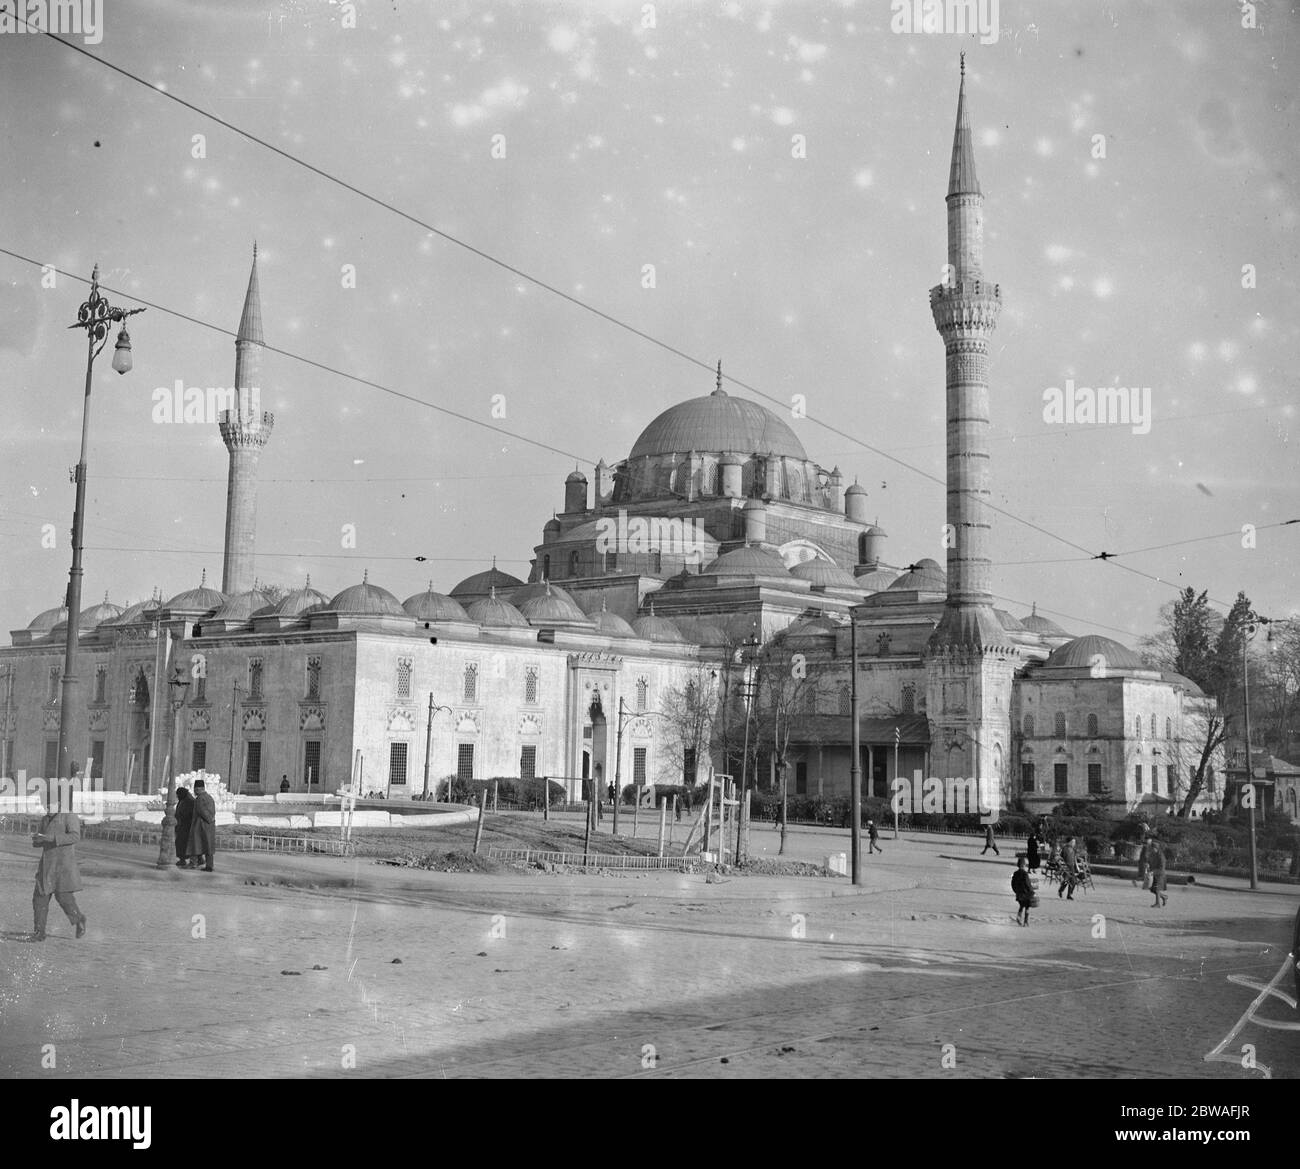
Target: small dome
748,561
296,603
133,613
99,614
826,574
876,581
820,627
482,583
1186,683
551,607
855,489
1042,625
551,525
706,633
659,629
431,606
539,588
1083,652
199,600
924,577
612,625
242,606
494,613
367,600
1008,621
45,621
575,476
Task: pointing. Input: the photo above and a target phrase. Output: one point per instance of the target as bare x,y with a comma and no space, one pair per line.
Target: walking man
1023,890
989,841
57,875
1156,862
873,838
1070,869
203,828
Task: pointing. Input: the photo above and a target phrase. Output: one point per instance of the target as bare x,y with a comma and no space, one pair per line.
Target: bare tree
687,714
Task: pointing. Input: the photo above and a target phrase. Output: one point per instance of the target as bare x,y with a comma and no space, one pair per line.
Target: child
1023,890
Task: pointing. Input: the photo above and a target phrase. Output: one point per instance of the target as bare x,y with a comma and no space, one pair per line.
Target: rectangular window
688,767
254,677
97,759
801,778
199,755
465,761
611,561
201,688
53,694
528,762
1171,773
253,764
1138,776
311,770
397,764
101,683
638,765
403,678
1027,777
1062,776
1094,779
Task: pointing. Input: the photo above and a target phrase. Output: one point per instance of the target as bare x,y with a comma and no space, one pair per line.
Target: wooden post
663,824
494,797
707,840
546,797
673,820
482,807
743,856
636,807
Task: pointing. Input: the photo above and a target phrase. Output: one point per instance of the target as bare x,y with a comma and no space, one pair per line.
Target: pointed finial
494,564
652,607
963,73
548,588
308,584
365,576
255,241
719,373
718,391
106,596
431,586
203,580
603,607
1033,612
492,592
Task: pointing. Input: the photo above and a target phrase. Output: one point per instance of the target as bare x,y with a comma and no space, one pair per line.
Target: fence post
663,823
546,797
482,807
494,797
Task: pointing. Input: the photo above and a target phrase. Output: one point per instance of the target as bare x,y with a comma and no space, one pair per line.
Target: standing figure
284,783
1023,890
1032,850
1070,869
203,828
57,875
1156,860
873,838
1144,863
184,819
989,842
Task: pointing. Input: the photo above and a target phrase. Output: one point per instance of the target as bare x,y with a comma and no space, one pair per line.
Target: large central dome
718,422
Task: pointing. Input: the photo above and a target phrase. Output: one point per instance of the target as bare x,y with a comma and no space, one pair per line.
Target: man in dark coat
1023,890
1070,869
184,819
57,875
873,838
1156,862
1032,850
989,841
203,828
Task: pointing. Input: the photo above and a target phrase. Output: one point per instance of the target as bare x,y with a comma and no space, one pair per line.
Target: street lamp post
95,316
618,763
178,684
1248,631
428,744
855,763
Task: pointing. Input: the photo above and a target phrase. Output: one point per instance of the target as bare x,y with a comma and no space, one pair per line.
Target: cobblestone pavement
312,966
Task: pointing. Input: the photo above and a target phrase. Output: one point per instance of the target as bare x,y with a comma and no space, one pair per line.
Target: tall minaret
245,430
969,656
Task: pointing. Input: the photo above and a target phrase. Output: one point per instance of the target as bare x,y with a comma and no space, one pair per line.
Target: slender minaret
245,430
969,656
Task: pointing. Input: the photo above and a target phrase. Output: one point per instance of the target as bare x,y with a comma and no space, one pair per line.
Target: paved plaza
314,966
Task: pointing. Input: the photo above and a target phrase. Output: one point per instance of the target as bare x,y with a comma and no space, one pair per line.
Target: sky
783,168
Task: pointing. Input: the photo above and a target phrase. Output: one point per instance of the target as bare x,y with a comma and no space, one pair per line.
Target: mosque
717,535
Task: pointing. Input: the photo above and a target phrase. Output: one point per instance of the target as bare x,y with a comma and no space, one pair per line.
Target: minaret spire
961,175
244,429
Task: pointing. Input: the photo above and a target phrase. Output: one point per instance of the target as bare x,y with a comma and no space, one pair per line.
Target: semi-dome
242,606
46,620
481,584
1083,652
718,422
296,603
748,561
826,574
925,576
199,600
494,613
367,600
431,606
660,629
1043,626
551,607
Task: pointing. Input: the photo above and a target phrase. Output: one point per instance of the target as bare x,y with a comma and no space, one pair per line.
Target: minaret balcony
971,306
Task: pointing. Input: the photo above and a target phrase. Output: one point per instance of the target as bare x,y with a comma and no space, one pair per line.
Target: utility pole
855,765
230,771
428,744
1247,632
618,764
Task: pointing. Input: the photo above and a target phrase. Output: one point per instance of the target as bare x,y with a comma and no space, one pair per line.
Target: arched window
1029,726
862,548
470,690
642,695
1092,726
546,568
1169,728
846,701
573,563
404,677
909,699
1153,725
1059,729
530,686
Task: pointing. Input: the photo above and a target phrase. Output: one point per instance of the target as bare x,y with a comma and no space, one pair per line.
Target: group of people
196,828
